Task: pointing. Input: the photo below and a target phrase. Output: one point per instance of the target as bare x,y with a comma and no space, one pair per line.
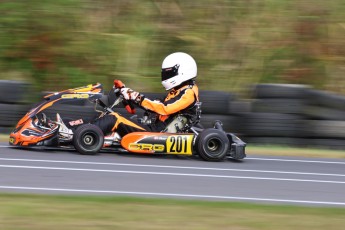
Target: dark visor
170,72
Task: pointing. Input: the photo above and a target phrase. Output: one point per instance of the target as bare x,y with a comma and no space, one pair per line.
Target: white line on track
174,167
171,174
172,195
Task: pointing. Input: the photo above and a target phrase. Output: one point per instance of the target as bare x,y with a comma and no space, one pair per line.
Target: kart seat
185,120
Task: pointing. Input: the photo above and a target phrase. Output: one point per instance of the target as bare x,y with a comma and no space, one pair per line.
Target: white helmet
178,68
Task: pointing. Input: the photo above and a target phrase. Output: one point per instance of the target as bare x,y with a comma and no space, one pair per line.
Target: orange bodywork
30,134
27,132
150,143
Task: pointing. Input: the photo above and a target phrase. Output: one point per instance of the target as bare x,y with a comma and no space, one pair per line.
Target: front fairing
32,133
89,92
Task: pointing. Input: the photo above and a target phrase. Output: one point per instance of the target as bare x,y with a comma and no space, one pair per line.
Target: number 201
178,144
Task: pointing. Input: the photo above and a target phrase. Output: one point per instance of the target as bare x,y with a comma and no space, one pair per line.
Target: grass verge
91,212
276,150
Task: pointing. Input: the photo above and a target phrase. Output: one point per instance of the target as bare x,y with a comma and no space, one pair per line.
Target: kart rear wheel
88,139
212,145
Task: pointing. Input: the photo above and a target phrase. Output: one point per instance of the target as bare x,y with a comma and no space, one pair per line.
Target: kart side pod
210,144
151,143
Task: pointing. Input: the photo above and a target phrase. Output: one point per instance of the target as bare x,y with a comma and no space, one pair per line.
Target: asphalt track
259,179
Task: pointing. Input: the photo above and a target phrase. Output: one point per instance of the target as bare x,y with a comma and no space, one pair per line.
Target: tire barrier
11,113
14,92
325,128
302,117
326,99
284,106
289,91
271,125
281,114
229,122
239,107
14,98
214,102
323,113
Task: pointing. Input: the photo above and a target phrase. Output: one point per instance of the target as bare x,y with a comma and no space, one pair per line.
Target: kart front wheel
212,145
88,139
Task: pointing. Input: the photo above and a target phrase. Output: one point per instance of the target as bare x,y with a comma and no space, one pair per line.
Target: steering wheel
127,104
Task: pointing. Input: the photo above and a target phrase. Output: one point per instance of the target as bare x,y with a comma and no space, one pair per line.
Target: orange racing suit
177,100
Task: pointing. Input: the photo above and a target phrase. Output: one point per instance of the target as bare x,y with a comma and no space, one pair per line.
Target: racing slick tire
212,145
88,139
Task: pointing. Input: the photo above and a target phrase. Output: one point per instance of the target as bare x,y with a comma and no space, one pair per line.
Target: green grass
4,138
63,43
91,212
279,150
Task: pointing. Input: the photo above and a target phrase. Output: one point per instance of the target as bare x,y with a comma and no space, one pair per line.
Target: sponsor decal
160,138
146,147
75,96
179,144
76,122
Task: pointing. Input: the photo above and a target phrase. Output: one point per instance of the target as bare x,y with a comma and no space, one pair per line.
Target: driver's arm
172,105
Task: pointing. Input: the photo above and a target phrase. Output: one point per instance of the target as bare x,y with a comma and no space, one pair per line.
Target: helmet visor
170,72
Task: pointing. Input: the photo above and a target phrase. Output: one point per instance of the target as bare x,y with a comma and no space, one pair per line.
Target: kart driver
179,71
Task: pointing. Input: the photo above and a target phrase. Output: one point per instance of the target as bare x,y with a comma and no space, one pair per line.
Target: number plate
180,144
12,140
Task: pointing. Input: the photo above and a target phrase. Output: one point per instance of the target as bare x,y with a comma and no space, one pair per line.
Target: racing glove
132,95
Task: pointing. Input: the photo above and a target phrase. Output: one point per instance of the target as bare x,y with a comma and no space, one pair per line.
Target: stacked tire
217,106
277,114
325,119
14,103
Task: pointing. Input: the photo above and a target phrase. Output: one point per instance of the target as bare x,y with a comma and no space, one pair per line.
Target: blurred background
271,70
65,43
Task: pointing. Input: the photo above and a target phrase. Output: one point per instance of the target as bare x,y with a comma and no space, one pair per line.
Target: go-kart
184,135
